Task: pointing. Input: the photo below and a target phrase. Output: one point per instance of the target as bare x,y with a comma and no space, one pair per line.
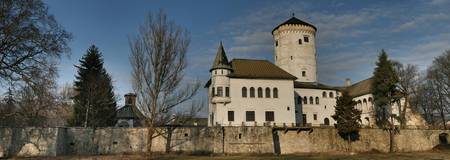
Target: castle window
276,43
315,117
252,92
306,39
275,92
304,73
220,91
230,115
213,92
299,100
291,57
299,41
215,72
331,95
249,116
305,100
324,94
317,100
260,94
267,92
221,71
227,91
311,100
244,92
288,108
270,116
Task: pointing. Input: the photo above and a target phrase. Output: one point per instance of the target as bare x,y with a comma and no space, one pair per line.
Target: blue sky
350,33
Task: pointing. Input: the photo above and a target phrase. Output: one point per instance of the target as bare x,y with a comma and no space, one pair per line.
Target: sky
350,33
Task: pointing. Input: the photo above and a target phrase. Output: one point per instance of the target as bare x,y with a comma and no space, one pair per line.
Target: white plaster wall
239,104
294,57
319,109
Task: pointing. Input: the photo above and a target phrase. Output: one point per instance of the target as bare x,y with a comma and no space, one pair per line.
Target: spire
221,61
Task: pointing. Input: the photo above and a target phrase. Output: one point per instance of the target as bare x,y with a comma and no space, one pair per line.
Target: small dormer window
306,39
276,43
303,73
299,41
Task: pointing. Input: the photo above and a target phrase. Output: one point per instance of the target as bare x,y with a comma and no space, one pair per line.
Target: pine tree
94,102
347,117
384,89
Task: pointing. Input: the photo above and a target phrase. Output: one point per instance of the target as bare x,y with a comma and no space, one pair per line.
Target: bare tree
29,39
158,59
408,77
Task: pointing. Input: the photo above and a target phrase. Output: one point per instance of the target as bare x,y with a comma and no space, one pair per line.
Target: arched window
275,92
252,92
299,41
303,73
317,100
324,94
331,95
311,100
260,92
305,100
244,92
365,103
326,121
299,100
267,92
359,104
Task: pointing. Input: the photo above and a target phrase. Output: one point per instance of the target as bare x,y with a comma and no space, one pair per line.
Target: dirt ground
432,155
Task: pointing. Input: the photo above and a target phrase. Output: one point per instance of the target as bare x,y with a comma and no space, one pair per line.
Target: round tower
220,82
295,49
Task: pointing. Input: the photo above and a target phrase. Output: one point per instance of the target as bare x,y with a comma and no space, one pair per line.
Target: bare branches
30,39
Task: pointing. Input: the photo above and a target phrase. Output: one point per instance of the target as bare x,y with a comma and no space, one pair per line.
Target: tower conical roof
221,61
294,20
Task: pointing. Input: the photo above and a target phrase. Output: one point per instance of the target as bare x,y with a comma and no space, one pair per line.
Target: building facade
244,92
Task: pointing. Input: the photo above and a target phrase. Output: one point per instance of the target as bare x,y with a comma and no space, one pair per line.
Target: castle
247,92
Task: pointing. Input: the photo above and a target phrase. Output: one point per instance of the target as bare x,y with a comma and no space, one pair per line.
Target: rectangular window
304,119
220,91
276,43
315,117
230,115
299,41
227,91
306,39
249,116
213,92
270,116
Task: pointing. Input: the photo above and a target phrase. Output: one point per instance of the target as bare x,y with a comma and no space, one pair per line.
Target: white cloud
424,20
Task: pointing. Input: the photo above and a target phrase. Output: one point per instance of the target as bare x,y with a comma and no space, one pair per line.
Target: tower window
303,73
213,92
291,57
306,39
220,91
299,41
276,43
227,91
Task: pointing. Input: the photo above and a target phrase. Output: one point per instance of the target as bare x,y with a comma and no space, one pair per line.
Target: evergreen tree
384,89
348,118
94,102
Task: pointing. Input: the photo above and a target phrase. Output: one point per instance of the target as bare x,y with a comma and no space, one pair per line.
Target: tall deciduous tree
94,102
29,39
158,59
408,82
385,95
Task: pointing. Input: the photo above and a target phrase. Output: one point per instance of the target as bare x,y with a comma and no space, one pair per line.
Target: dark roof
313,85
258,69
294,20
361,88
126,112
221,61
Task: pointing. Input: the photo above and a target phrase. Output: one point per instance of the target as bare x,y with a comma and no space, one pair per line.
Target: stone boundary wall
29,142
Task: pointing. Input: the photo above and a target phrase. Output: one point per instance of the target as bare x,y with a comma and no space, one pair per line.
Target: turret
219,89
295,49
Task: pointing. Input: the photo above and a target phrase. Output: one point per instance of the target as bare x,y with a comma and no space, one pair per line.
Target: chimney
130,99
347,82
